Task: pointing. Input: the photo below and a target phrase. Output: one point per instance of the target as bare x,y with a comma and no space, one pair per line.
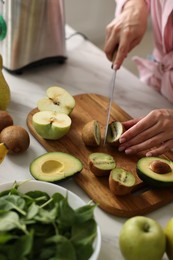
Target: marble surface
86,71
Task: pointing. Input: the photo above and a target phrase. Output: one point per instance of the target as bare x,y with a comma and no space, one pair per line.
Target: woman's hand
126,31
153,132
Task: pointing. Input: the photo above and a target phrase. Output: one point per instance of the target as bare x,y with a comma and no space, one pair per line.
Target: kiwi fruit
5,119
15,138
91,134
121,182
115,130
101,163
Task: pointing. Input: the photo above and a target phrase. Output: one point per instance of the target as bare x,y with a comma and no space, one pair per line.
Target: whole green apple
142,238
51,125
169,238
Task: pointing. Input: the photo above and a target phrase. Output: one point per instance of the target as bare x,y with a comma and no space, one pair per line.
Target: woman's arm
126,30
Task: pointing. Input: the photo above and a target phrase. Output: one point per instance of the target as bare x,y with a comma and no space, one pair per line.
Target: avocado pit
159,167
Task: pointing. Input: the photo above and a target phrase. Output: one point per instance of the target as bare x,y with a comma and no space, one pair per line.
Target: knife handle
114,55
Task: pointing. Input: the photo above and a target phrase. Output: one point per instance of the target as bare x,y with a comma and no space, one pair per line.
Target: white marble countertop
86,70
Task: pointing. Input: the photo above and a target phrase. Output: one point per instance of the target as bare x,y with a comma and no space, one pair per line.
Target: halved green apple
51,125
58,99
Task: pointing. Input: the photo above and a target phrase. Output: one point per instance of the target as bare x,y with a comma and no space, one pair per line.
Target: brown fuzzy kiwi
15,138
91,135
121,182
5,119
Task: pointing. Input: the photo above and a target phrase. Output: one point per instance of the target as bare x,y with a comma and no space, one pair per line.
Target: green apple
169,238
51,125
58,99
142,238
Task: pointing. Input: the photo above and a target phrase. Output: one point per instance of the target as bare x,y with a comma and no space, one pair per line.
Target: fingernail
122,140
115,67
148,154
121,148
128,151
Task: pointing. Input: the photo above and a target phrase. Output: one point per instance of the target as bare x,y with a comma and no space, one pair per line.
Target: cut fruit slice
55,166
51,125
101,163
91,134
58,99
115,130
121,182
155,171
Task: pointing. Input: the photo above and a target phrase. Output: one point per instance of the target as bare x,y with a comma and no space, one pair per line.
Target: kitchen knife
110,104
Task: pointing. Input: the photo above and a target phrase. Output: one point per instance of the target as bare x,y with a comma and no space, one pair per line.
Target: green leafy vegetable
36,226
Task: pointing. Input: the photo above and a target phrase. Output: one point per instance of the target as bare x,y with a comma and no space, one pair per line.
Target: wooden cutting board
142,199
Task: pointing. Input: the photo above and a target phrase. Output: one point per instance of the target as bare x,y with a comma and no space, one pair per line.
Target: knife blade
110,104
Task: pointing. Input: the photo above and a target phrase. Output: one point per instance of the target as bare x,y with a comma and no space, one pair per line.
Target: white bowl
50,189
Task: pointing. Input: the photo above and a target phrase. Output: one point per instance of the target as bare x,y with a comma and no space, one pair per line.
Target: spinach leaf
63,248
45,216
85,213
6,237
9,221
12,202
66,216
32,211
84,232
35,225
83,235
19,249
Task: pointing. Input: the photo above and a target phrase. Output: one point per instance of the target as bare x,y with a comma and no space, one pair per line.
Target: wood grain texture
142,199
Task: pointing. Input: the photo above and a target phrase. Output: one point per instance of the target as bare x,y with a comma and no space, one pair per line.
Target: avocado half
155,171
55,166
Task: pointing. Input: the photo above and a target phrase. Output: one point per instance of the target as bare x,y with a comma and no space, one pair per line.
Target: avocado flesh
55,166
152,178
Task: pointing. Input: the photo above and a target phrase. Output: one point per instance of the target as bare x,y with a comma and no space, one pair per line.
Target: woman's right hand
126,31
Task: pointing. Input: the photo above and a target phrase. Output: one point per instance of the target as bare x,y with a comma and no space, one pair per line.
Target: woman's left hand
152,134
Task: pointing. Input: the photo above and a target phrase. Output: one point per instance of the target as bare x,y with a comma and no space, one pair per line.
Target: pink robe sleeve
120,4
158,72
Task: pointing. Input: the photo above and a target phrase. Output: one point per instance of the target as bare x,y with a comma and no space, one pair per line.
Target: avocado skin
144,173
